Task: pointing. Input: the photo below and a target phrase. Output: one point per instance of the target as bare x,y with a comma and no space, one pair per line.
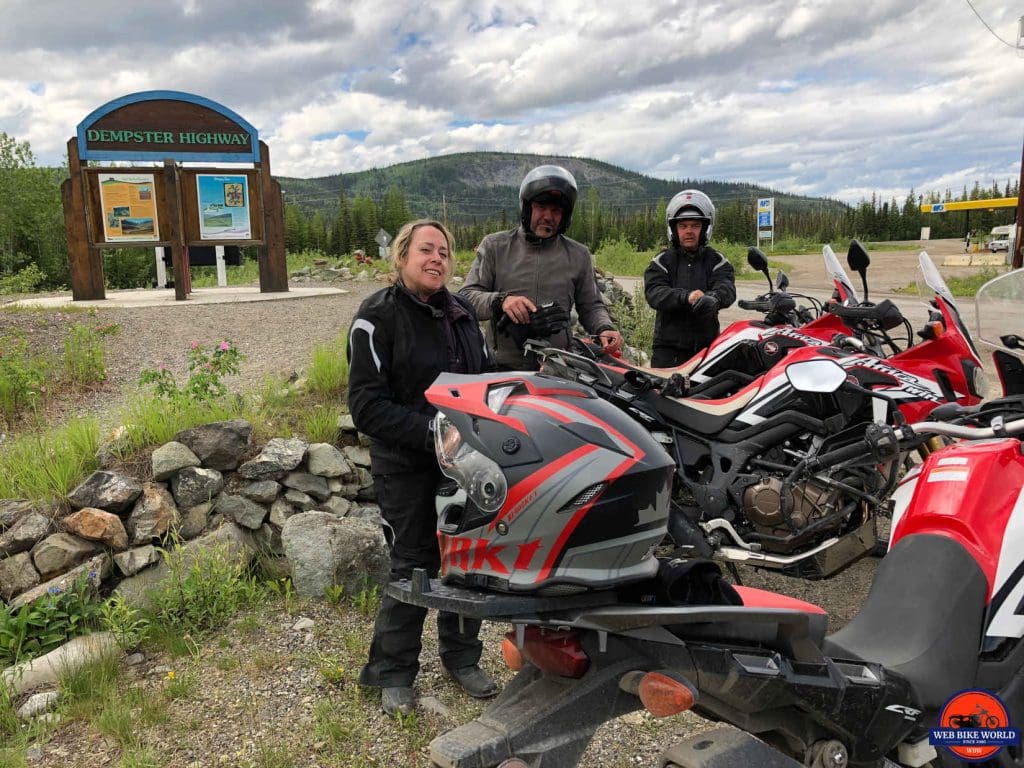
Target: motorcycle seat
922,619
705,416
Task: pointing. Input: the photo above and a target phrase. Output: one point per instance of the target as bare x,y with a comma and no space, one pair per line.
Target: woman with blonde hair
402,337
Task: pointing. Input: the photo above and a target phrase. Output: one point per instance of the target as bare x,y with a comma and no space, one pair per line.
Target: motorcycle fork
929,446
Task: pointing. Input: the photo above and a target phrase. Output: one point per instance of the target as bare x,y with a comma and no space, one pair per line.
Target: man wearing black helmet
688,282
527,280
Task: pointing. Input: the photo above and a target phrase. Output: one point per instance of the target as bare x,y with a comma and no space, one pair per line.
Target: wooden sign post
171,207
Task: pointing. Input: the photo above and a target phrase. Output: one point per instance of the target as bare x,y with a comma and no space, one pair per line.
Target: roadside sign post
164,205
766,220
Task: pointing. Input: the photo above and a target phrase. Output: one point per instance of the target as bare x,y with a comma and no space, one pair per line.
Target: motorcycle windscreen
835,270
930,284
998,304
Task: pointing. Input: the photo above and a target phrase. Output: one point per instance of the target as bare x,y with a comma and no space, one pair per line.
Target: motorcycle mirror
782,281
816,376
858,259
759,262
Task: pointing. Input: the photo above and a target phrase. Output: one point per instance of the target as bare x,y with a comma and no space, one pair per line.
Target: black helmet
548,183
690,204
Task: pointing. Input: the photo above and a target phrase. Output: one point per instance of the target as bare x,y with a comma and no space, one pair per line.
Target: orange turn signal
662,696
512,655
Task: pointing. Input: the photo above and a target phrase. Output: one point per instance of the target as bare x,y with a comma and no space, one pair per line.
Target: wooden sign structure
169,206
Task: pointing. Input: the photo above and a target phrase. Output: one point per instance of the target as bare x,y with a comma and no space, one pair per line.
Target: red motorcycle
750,485
566,499
747,348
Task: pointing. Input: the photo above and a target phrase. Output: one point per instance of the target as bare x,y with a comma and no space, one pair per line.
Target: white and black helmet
552,182
690,204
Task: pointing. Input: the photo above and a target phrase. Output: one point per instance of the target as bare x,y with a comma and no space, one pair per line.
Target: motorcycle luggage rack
431,593
602,612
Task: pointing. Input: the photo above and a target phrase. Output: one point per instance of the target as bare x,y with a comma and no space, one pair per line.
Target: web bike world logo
974,725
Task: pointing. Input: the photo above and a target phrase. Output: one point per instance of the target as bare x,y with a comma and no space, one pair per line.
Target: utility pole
1017,261
444,209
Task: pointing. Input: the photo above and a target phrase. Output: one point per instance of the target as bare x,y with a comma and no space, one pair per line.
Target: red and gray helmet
690,204
548,183
563,492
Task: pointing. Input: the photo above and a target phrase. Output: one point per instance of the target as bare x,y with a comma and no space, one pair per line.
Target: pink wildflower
195,345
224,346
163,366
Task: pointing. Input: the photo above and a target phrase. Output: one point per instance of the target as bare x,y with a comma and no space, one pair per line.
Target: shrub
206,373
25,280
40,626
22,376
85,360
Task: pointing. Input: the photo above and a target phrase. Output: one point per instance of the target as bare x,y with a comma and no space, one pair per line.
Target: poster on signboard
128,202
223,207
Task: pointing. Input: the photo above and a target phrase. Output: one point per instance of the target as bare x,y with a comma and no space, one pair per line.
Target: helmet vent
583,498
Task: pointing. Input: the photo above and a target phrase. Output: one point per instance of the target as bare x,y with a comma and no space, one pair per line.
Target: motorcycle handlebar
755,305
999,428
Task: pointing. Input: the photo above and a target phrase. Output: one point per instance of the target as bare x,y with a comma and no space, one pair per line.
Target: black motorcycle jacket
668,281
397,346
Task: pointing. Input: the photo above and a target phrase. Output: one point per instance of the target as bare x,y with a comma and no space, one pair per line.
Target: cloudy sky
821,97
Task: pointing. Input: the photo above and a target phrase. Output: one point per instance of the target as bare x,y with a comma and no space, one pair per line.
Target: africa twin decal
910,388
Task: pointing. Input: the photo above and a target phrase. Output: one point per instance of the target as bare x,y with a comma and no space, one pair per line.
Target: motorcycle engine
762,508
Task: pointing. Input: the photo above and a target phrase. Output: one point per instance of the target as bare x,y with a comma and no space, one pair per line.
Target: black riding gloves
705,305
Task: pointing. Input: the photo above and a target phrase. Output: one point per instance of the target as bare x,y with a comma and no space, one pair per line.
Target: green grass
319,424
49,465
328,372
966,287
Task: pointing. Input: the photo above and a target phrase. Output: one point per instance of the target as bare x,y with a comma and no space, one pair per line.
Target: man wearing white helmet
527,280
688,282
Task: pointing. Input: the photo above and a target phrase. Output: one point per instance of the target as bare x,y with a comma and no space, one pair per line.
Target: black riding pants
407,503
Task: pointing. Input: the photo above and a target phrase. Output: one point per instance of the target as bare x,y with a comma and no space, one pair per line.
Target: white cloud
821,97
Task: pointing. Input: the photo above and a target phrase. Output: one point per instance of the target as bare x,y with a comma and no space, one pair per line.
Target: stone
230,541
280,456
134,560
345,423
60,552
96,525
280,511
300,500
262,491
155,513
358,455
303,625
24,534
12,510
38,703
193,521
325,460
94,570
336,505
218,445
17,574
268,539
312,485
245,512
325,550
171,457
196,485
109,491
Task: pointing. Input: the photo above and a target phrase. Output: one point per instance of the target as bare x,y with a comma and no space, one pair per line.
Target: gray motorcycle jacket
556,269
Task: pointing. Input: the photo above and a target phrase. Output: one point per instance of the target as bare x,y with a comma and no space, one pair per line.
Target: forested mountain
485,185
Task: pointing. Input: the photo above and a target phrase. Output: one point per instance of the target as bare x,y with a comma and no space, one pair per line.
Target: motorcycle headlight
480,477
980,381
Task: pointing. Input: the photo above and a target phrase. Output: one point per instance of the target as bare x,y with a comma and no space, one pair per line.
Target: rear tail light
556,653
